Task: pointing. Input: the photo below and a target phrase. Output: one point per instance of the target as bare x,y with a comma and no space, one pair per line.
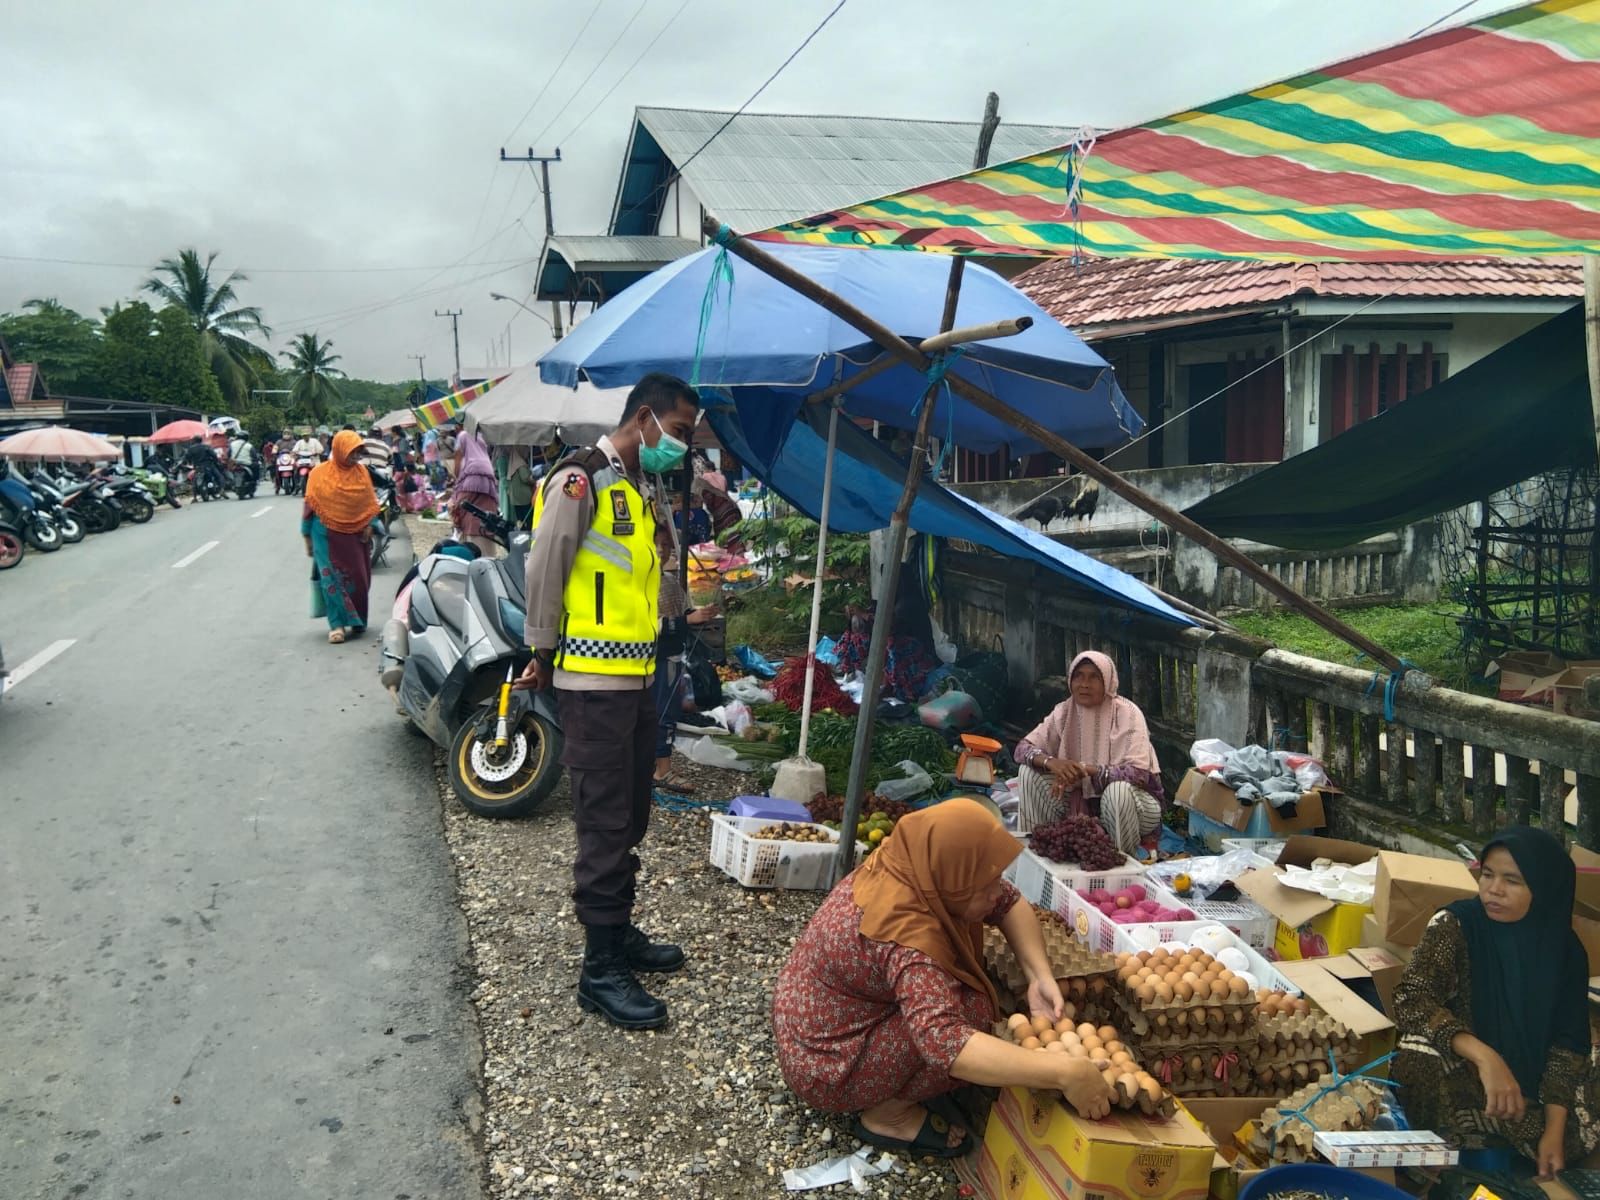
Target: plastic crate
1090,924
1266,974
1048,884
760,863
1267,848
1244,916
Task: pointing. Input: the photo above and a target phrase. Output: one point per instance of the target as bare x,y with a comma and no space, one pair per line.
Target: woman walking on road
336,524
476,485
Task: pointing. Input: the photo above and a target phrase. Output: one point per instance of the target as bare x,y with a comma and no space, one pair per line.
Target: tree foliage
213,309
65,344
155,357
312,373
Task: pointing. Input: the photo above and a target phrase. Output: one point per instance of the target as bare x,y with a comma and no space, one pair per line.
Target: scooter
54,502
449,654
19,509
137,504
283,475
302,472
383,486
241,480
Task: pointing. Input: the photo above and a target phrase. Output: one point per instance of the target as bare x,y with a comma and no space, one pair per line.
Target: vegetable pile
833,739
789,689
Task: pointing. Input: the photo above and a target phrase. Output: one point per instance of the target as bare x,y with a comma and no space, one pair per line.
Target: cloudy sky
344,153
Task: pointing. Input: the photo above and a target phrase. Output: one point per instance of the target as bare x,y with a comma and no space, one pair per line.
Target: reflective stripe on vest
609,605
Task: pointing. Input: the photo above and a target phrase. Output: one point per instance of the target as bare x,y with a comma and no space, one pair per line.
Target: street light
524,308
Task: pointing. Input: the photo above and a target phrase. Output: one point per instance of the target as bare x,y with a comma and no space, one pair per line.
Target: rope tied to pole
935,374
1392,685
721,272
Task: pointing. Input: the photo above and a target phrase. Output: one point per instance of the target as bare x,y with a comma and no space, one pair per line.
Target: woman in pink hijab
1092,754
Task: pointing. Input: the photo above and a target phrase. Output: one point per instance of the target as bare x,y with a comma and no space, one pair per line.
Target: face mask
666,454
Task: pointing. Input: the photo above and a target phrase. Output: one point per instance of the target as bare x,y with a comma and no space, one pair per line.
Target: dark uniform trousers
609,754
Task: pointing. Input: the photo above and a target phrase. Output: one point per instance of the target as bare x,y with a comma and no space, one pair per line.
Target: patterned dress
858,1022
1441,1090
343,571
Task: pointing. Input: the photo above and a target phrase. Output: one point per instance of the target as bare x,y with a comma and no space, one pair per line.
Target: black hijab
1530,978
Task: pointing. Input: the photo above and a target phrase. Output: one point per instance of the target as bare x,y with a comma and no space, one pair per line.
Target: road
231,960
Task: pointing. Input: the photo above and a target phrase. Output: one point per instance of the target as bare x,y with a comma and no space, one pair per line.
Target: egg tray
1193,1072
1351,1106
1141,1101
1302,1039
1237,1024
1283,1079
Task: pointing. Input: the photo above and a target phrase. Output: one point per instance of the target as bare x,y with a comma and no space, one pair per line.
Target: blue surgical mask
665,455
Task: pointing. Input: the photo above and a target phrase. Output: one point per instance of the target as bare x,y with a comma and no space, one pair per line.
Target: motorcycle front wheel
43,536
10,549
138,511
514,783
71,529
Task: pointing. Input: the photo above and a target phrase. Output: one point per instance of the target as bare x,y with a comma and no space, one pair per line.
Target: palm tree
218,317
311,367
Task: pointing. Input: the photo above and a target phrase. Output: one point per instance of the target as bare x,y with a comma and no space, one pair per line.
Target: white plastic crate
1244,916
1092,926
761,863
1049,884
1266,974
1267,848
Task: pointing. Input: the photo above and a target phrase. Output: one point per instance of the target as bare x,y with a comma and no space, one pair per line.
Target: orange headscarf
912,889
340,491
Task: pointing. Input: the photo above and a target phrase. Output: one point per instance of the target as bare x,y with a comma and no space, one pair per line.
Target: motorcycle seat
449,595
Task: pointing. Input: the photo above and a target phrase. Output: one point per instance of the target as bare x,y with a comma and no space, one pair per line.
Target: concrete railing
1449,765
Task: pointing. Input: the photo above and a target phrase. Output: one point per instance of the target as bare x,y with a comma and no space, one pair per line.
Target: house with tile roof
1250,362
26,400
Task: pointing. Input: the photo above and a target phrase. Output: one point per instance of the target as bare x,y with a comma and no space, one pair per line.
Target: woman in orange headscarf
884,1005
337,525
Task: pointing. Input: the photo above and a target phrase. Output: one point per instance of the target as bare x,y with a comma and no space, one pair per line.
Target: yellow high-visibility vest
609,607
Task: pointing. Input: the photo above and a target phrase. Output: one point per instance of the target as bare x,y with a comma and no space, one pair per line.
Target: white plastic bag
736,717
709,752
943,648
1209,752
917,782
748,690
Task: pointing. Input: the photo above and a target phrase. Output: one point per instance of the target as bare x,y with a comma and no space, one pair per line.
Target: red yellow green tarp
1481,140
447,408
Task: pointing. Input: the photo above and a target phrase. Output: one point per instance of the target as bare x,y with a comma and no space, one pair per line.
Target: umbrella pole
816,584
1106,476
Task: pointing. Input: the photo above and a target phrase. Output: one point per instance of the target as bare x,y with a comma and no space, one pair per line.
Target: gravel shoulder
574,1107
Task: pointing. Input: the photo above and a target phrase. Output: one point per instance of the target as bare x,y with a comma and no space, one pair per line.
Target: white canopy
523,411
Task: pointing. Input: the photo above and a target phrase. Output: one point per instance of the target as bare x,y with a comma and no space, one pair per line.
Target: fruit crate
1122,942
1089,923
1243,916
1049,884
762,863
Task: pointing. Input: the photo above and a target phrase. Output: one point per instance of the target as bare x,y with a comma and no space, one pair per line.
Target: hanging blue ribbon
721,270
935,375
1299,1114
1391,687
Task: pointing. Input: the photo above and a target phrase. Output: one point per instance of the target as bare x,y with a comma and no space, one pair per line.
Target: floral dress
858,1022
1441,1090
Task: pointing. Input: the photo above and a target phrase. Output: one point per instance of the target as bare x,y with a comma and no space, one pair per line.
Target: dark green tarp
1517,412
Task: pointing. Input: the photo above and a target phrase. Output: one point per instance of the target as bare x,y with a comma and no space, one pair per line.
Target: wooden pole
1106,476
1591,329
899,529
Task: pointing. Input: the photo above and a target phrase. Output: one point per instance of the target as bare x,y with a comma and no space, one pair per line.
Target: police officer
593,581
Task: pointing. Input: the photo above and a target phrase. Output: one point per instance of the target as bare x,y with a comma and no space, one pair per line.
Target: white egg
1143,937
1212,938
1233,958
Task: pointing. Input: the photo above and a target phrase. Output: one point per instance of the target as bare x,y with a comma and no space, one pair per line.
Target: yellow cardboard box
1309,926
1034,1148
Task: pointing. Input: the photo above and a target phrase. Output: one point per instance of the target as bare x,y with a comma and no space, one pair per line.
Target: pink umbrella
179,431
58,442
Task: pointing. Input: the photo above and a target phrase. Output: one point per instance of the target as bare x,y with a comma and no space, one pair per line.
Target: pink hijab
1112,734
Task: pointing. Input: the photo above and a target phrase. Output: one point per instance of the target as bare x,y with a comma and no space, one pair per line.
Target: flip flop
336,637
674,783
931,1140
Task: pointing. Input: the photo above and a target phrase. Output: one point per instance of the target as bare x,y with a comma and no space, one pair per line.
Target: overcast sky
314,143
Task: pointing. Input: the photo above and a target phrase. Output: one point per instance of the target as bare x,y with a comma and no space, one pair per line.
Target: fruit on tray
1078,839
1131,905
788,831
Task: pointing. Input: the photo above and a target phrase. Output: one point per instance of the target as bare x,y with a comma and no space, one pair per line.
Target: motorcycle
241,479
20,510
283,475
156,482
302,471
137,504
383,486
448,657
207,481
54,502
10,546
89,499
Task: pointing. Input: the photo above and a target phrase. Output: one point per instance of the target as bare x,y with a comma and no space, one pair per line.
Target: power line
627,71
130,266
539,137
593,13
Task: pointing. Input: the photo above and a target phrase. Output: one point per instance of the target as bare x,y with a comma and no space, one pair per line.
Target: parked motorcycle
20,510
10,546
448,656
53,501
137,504
157,483
89,499
383,486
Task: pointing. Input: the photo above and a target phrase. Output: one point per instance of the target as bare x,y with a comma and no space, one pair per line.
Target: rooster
1077,499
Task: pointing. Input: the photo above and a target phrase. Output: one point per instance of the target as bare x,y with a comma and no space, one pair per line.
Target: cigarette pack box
1378,1148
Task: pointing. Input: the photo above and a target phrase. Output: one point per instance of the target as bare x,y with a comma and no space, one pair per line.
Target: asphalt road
231,960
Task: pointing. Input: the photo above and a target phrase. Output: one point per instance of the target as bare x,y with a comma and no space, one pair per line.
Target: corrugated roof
25,382
1101,296
768,168
581,250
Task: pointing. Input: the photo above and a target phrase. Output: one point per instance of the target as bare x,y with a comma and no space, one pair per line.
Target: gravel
575,1107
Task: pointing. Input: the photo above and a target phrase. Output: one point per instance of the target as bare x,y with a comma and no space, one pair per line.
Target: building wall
680,212
1475,335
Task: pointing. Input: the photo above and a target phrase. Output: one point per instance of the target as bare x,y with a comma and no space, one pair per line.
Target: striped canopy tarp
1481,140
447,408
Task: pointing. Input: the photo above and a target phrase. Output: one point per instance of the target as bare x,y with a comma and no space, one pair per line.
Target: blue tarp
788,454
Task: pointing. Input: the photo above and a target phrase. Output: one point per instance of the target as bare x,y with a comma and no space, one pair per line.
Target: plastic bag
917,782
1206,873
736,716
828,652
755,662
943,648
710,752
1208,753
748,691
1308,772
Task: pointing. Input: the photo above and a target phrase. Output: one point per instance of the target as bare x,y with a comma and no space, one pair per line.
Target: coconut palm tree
311,368
218,317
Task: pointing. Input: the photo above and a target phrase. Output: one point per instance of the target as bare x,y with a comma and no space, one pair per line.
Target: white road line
261,512
189,558
53,650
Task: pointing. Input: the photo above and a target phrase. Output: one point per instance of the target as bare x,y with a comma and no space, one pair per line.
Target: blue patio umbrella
758,332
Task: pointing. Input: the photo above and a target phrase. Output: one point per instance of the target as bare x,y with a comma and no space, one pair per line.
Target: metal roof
768,168
599,250
1109,297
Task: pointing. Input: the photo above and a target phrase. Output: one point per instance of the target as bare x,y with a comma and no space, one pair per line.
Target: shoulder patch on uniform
575,485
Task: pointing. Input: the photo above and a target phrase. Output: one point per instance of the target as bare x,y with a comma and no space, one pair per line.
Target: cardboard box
1377,1148
1562,690
1330,984
1309,926
1211,797
1586,912
1370,937
1411,888
1034,1148
1518,670
1223,1120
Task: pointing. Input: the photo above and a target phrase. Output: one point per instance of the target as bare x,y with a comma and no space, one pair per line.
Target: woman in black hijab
1493,1012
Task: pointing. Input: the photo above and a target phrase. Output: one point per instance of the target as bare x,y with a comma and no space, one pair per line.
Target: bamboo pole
1053,442
899,528
816,585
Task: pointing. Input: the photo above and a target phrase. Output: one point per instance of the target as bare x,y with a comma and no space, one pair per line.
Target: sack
704,684
319,606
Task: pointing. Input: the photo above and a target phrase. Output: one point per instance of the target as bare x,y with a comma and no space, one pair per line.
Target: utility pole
455,332
422,394
544,162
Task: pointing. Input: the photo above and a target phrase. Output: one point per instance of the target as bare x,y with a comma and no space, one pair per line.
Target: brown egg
1212,971
1069,1011
1113,1046
1143,956
1030,1043
1122,959
1262,994
1238,988
1159,954
1186,961
1122,1059
1191,978
1094,1045
1048,1036
1172,978
1057,1046
1269,1004
1064,1026
1106,1033
1126,972
1163,993
1301,1007
1184,990
1225,975
1040,1024
1016,1020
1151,1088
1086,1030
1219,990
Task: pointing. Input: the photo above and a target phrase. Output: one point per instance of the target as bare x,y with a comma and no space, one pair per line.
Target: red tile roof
26,386
1097,296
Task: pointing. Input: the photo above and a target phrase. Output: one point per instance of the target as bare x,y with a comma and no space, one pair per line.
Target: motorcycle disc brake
498,772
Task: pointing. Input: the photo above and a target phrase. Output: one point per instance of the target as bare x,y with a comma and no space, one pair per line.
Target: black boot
607,985
645,955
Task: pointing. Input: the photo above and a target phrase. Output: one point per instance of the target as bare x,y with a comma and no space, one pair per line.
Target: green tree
65,344
217,316
156,357
312,374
